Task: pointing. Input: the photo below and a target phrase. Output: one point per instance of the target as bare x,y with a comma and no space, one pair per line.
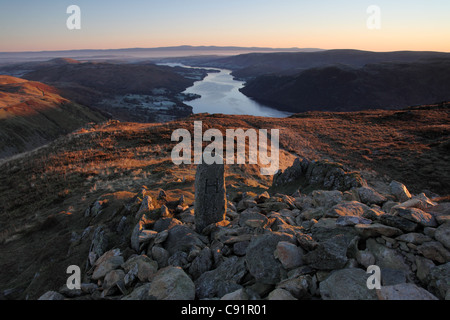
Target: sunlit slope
32,114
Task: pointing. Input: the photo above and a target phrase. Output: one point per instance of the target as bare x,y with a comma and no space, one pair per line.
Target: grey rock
415,238
351,221
405,291
369,196
442,234
299,286
387,258
327,228
253,219
399,191
329,255
182,238
237,295
145,266
352,208
210,195
376,230
289,255
172,283
201,264
398,222
146,206
326,199
417,216
222,280
260,258
439,280
160,255
347,284
424,267
112,279
51,295
165,224
281,294
111,260
139,293
435,251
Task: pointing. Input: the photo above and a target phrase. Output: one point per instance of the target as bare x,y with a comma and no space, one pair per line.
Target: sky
40,25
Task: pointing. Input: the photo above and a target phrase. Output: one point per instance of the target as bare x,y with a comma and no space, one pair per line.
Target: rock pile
279,247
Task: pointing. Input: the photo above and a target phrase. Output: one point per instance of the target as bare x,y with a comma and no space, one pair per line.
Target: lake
220,93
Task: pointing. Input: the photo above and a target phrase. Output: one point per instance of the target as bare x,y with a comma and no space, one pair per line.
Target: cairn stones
210,197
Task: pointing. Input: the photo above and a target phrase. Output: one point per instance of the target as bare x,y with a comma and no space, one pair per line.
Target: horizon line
212,47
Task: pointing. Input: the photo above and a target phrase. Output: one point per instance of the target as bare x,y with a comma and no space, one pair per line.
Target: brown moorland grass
44,194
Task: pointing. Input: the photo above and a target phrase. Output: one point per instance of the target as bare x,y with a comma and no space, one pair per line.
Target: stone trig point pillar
210,204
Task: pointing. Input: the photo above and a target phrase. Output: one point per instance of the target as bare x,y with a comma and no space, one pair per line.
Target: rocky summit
317,242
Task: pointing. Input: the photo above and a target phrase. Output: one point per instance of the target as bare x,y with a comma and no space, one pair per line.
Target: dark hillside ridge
344,88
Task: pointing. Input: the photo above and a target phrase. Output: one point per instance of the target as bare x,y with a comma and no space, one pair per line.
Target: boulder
289,255
111,260
435,251
326,199
145,267
387,258
329,255
201,264
439,280
347,284
399,191
182,238
416,215
260,257
172,283
369,196
442,234
398,222
222,280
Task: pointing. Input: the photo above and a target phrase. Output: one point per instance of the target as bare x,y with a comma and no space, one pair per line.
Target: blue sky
405,25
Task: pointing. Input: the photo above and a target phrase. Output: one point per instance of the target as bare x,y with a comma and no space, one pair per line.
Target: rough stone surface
210,196
405,291
172,283
260,257
347,284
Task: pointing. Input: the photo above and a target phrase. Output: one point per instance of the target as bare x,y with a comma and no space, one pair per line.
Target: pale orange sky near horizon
405,25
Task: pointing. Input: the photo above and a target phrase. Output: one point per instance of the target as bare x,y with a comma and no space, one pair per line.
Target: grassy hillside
33,114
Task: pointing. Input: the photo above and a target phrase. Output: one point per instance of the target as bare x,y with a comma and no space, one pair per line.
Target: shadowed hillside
33,114
344,88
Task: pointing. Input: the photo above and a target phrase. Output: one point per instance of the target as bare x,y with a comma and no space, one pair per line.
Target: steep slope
33,114
344,88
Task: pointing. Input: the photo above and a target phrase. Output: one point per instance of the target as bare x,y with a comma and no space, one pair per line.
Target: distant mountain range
140,53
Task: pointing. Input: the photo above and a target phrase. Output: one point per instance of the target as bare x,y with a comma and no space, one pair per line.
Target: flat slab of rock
376,230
